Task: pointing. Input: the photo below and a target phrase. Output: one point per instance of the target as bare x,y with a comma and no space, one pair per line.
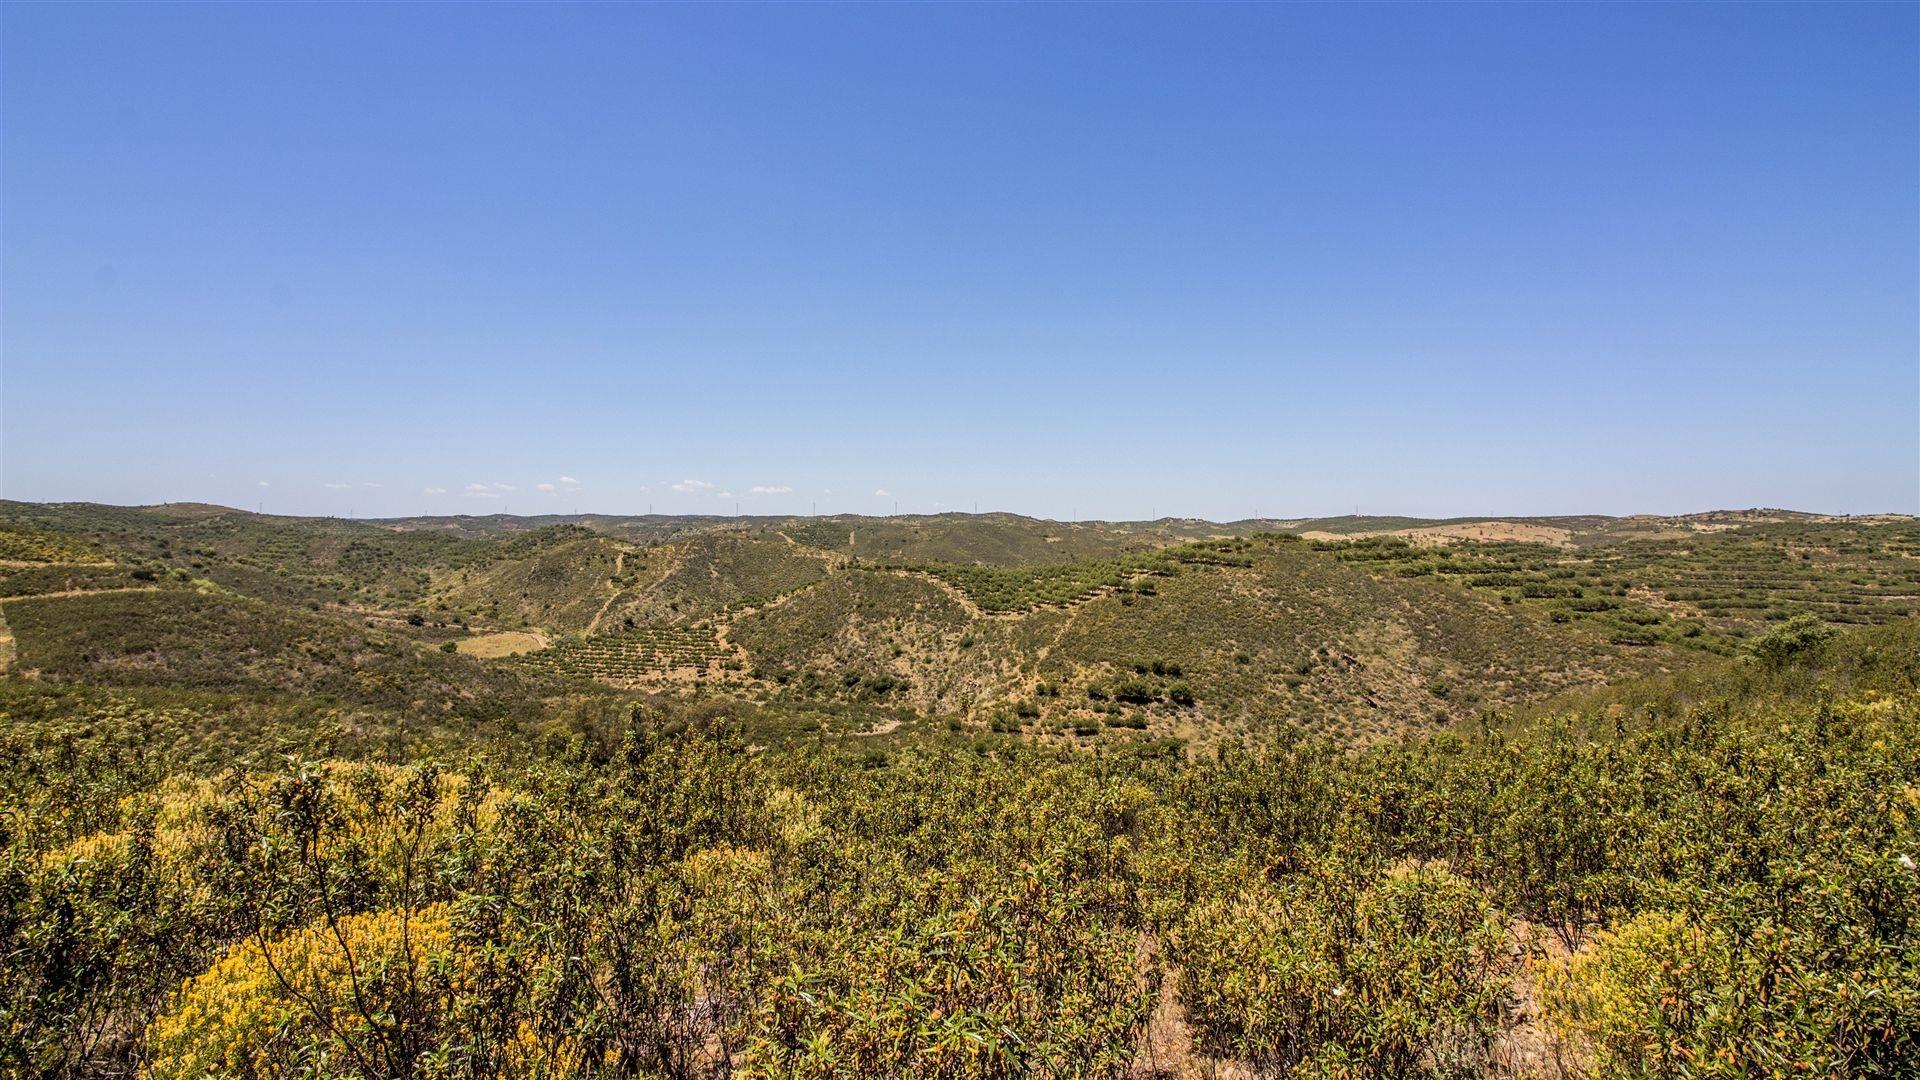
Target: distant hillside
288,559
559,577
187,639
1081,631
1291,635
1007,540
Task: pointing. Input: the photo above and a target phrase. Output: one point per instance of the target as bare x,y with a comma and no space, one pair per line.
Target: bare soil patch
1490,532
504,643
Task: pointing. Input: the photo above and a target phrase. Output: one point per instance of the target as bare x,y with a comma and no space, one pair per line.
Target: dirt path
30,564
1060,634
6,643
65,593
975,611
619,567
723,625
957,594
835,560
1164,1049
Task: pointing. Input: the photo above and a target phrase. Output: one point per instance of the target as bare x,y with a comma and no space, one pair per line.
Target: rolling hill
1102,631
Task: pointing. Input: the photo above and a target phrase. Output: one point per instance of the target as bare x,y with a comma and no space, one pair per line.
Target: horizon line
649,514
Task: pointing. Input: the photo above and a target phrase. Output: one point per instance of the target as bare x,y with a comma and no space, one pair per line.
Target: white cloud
724,495
476,488
692,485
498,486
547,489
371,484
569,481
482,491
881,493
336,487
772,489
435,491
263,483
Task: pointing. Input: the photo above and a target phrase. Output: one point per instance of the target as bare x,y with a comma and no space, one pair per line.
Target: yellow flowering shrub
105,848
1626,993
360,997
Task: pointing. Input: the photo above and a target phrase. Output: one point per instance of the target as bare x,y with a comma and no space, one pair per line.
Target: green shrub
1792,637
1395,975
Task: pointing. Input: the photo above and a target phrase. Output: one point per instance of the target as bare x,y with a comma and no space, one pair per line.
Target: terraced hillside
634,657
1224,634
1707,589
1014,589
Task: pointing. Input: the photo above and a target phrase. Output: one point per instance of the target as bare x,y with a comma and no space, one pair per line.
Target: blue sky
1068,260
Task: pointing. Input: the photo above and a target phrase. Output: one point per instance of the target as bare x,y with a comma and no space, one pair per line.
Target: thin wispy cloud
772,489
545,489
881,493
686,486
335,486
434,491
373,484
263,483
569,481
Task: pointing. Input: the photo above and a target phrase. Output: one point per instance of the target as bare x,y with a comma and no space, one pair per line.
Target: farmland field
633,655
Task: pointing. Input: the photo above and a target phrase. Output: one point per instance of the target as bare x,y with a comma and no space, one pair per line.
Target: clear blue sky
1109,261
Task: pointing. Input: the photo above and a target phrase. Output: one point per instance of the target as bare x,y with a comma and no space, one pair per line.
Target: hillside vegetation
716,797
195,640
1708,874
1085,631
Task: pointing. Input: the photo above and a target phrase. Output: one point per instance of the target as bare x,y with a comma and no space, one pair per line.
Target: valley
959,795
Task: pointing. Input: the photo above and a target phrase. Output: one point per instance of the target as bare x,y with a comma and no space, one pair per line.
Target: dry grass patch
505,643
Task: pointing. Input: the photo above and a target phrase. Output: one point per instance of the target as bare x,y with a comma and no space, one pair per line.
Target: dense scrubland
1697,875
767,804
